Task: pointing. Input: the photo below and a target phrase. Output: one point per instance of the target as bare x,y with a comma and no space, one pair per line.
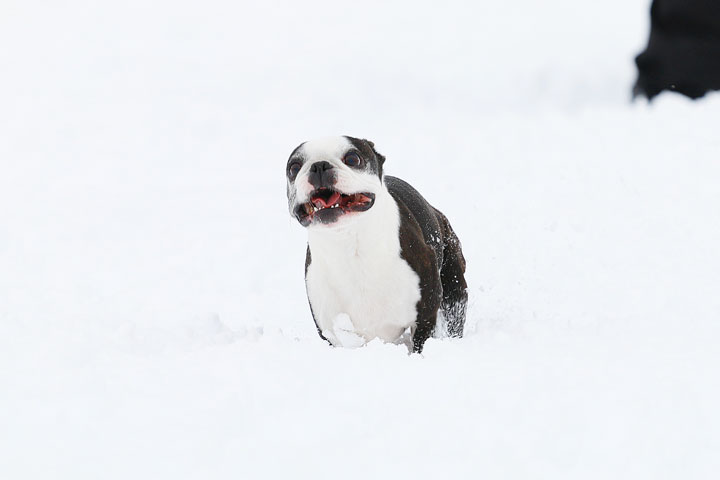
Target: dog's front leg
427,310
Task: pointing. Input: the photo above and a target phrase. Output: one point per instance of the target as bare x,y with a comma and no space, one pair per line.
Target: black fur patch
433,251
683,52
372,158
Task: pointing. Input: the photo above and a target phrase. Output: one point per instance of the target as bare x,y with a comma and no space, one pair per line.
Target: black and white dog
380,259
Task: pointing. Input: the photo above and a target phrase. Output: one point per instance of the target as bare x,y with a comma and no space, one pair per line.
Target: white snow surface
153,318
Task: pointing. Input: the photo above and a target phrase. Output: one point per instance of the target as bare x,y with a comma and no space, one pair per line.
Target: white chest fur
358,285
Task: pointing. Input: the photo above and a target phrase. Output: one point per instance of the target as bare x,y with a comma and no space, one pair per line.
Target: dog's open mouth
328,205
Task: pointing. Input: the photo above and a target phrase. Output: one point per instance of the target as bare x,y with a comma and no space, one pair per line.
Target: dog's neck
370,234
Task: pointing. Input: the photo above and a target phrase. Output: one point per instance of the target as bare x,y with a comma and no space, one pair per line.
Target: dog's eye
352,159
293,170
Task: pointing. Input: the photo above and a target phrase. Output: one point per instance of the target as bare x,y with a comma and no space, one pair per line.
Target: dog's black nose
320,166
321,175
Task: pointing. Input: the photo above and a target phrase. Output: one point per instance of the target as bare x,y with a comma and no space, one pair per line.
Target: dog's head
333,179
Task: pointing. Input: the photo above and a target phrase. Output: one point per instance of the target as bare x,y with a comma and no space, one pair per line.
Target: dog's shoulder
417,217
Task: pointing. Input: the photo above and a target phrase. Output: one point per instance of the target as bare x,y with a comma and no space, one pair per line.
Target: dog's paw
343,333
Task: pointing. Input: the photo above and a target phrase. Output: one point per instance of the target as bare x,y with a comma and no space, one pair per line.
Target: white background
153,319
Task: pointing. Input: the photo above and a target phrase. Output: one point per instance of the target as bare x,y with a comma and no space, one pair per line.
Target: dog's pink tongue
334,198
322,203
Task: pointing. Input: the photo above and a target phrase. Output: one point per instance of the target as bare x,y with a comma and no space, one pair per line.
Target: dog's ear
380,157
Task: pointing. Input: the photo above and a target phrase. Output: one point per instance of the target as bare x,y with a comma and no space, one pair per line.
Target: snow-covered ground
153,320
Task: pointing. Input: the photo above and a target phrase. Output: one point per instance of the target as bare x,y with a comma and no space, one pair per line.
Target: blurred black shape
683,53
